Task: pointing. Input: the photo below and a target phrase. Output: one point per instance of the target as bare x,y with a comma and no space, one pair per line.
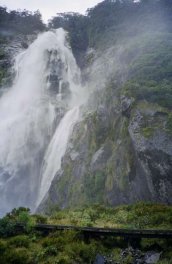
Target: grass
140,215
71,247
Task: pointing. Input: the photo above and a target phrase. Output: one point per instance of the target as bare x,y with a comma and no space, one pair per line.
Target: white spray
28,116
56,150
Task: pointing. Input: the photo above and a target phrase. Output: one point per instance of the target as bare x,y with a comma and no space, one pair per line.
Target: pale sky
49,8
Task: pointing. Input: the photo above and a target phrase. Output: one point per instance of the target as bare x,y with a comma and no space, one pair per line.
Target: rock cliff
121,151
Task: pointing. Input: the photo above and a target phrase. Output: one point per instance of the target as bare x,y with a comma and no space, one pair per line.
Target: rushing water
56,150
33,134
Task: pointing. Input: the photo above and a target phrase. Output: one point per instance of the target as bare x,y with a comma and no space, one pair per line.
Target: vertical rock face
121,151
152,144
119,154
11,44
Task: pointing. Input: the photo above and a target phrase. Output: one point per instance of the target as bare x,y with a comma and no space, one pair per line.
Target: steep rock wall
120,154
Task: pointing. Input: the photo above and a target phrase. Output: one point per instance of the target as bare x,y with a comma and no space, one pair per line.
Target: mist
99,67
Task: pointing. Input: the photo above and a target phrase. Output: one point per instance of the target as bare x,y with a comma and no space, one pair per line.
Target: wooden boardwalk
95,231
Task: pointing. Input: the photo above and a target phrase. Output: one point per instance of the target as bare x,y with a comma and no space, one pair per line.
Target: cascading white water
47,84
56,150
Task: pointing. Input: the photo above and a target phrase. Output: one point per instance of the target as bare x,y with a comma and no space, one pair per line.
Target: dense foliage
140,215
119,17
150,69
15,24
77,26
16,216
69,247
25,22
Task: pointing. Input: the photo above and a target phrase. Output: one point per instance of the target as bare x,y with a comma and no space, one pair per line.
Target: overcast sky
49,8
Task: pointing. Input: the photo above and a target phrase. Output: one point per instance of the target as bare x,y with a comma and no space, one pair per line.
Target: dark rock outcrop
114,158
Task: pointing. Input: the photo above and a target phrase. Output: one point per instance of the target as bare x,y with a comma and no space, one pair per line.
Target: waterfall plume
36,117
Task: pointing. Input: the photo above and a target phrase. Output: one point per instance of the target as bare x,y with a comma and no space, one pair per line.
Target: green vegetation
13,24
140,215
24,21
140,36
94,185
150,70
69,247
77,26
148,132
20,215
111,21
60,247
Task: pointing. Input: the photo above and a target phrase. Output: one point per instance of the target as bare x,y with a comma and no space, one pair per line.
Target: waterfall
56,150
36,117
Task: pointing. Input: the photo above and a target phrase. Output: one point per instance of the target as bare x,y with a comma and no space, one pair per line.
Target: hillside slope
121,152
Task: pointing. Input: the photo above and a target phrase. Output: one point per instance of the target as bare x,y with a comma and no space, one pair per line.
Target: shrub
40,219
3,247
7,227
19,241
63,259
20,215
51,251
19,256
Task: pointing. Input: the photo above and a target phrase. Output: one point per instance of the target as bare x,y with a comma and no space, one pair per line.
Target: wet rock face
130,255
11,44
153,146
17,42
120,153
126,105
136,256
100,259
152,257
115,159
56,78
